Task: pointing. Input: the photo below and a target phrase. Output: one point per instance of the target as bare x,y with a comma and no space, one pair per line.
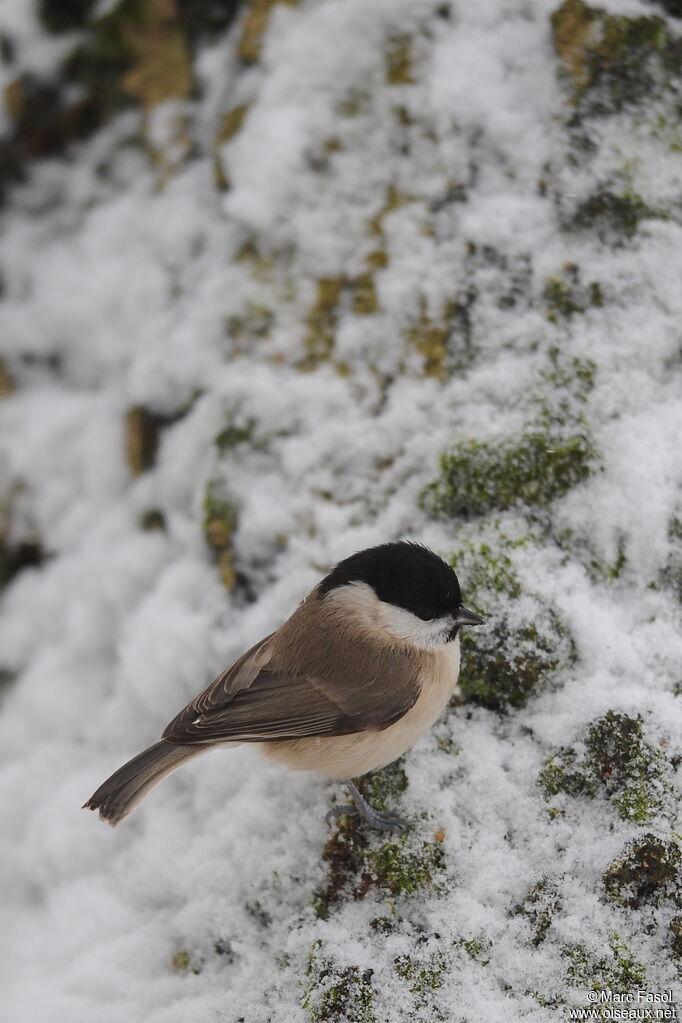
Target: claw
374,818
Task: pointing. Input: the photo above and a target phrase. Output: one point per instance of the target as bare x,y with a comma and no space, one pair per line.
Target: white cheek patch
360,601
404,625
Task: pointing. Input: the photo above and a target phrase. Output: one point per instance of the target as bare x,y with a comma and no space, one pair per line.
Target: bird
362,669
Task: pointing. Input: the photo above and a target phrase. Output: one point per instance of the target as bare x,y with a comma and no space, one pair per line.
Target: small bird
362,668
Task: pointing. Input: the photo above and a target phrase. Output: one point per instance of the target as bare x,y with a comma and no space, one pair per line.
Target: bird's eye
425,613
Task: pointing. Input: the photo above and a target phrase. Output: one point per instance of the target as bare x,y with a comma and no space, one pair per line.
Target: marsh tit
361,669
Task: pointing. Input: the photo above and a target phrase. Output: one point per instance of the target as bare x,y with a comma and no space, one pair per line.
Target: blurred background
280,280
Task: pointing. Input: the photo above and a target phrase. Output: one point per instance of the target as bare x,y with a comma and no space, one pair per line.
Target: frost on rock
280,281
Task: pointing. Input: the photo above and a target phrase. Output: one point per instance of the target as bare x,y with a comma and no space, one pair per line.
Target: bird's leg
375,818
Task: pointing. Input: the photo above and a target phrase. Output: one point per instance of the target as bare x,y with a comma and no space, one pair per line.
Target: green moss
602,567
618,971
365,301
184,962
142,439
566,296
431,340
476,948
254,25
399,62
161,69
648,871
564,387
321,321
489,570
503,666
359,862
256,911
504,278
561,773
611,215
393,200
254,322
422,977
675,928
337,994
232,435
403,870
153,520
6,381
519,649
143,427
533,469
614,570
675,528
617,762
546,459
220,521
671,575
613,60
230,125
137,51
45,118
383,789
377,259
539,907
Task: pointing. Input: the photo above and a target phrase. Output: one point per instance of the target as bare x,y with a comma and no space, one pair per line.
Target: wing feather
275,706
276,690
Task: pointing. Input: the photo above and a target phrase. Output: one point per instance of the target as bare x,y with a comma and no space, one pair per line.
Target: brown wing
268,695
240,675
275,706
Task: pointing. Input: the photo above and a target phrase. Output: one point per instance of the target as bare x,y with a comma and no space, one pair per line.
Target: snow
138,288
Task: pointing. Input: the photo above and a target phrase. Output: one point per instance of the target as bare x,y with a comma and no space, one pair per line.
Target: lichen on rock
253,27
617,970
360,861
220,521
612,213
143,434
430,337
614,759
322,319
648,872
399,61
566,296
613,60
6,382
514,658
532,469
335,994
539,906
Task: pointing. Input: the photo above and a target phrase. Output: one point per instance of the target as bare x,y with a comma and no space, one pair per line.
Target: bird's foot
344,810
381,819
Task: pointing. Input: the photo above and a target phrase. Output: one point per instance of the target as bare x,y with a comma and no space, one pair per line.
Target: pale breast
349,756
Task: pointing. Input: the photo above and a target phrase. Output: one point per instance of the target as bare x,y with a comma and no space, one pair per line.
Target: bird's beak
463,616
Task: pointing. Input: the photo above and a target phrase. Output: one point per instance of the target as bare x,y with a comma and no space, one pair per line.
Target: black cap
405,574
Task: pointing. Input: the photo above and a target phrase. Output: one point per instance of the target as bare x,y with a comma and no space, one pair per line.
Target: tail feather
117,796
